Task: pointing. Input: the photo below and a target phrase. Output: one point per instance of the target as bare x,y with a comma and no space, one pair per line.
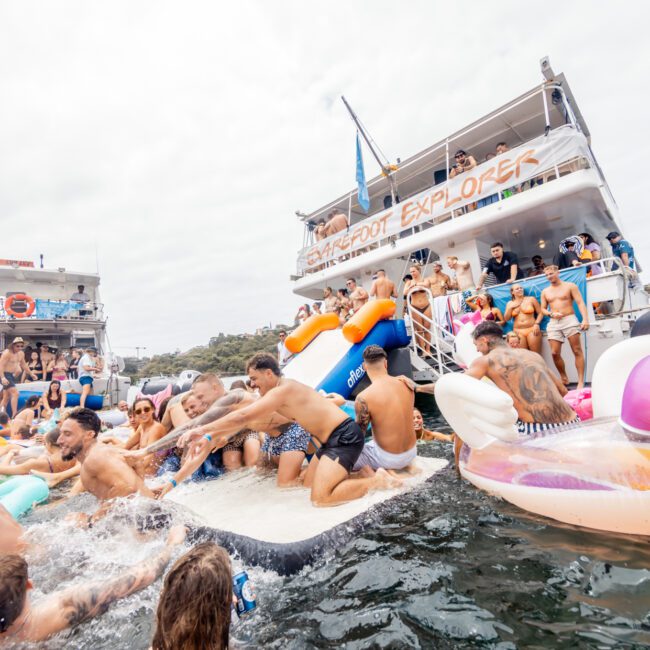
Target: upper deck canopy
518,121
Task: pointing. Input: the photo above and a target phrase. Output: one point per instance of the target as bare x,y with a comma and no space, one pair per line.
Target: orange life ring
31,305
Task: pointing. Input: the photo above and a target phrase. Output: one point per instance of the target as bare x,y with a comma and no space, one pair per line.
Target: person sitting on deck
53,398
387,404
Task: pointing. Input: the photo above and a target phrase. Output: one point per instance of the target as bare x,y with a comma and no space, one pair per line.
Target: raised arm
79,603
221,407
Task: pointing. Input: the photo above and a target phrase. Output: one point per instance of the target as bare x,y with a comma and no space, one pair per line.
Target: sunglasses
460,155
283,336
146,409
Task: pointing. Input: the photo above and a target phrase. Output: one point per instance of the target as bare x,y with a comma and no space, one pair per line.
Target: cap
18,339
613,234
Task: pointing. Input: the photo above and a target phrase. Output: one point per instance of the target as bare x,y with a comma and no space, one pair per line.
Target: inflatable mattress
279,529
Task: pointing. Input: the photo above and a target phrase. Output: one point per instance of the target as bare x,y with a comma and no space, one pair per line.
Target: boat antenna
386,168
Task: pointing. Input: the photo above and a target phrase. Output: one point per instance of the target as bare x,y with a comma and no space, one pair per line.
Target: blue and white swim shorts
295,438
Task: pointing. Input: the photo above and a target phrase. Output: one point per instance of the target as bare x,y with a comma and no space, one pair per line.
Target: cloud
177,140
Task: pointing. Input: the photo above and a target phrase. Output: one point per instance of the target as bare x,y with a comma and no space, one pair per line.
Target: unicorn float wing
596,474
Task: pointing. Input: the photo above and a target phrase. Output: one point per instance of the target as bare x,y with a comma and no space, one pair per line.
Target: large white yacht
546,187
37,305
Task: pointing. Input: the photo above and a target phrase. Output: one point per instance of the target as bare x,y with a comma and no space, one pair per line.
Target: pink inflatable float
596,474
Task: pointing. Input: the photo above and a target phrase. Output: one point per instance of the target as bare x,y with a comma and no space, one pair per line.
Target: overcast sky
178,138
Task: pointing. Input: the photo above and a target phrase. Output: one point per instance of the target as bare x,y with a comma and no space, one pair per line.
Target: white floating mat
279,528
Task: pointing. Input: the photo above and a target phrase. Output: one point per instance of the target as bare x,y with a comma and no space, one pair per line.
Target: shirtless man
464,280
439,282
105,472
12,363
208,388
47,358
358,295
22,621
560,297
337,222
383,287
387,404
332,303
339,437
535,390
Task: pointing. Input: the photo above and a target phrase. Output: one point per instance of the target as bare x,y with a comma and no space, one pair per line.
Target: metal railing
441,342
46,309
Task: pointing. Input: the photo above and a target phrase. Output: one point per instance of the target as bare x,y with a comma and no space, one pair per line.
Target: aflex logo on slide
355,375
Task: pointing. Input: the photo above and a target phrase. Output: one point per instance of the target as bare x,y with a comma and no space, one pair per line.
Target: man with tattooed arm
387,404
535,390
22,621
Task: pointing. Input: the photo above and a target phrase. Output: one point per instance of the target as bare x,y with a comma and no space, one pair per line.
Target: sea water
449,567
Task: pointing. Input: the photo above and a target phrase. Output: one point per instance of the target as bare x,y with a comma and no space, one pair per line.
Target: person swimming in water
424,434
50,461
22,621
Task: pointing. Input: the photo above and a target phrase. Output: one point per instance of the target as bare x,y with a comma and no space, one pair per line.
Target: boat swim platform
278,528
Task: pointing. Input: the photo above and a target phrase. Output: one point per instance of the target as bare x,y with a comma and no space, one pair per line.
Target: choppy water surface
450,567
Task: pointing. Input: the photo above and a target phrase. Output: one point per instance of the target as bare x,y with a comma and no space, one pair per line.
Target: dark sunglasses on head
145,409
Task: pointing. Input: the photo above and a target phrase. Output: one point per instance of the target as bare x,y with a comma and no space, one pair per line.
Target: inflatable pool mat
279,529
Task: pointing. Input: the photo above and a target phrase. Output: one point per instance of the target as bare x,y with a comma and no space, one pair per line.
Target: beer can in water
244,593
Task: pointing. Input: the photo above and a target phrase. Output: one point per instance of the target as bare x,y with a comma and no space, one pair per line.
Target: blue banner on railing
534,287
49,309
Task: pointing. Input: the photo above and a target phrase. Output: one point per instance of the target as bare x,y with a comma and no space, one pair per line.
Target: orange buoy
31,305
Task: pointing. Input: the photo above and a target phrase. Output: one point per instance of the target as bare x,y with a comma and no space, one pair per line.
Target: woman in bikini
148,431
58,367
53,398
524,310
50,461
424,434
485,304
34,366
421,311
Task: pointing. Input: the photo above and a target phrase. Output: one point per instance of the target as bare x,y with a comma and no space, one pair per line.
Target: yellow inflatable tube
304,334
357,328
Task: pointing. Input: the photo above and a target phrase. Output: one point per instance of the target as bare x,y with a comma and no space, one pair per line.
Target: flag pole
385,167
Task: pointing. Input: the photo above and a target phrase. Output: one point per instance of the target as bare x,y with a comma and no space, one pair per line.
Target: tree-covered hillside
225,354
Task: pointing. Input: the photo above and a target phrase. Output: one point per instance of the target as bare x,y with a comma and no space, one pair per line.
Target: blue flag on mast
364,199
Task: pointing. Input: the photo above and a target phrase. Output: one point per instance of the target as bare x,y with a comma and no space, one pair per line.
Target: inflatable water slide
329,358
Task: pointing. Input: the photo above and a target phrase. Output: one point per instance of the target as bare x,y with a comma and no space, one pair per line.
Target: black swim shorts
345,444
11,378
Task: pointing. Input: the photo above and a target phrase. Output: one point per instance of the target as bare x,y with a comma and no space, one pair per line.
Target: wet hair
588,238
238,384
489,329
195,601
88,420
13,589
497,244
208,378
263,361
24,432
4,418
162,409
150,402
374,353
52,437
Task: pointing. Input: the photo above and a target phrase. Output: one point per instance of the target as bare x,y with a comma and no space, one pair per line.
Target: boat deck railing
561,152
50,310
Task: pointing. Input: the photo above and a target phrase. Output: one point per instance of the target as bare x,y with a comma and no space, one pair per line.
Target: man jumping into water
339,438
535,390
388,404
